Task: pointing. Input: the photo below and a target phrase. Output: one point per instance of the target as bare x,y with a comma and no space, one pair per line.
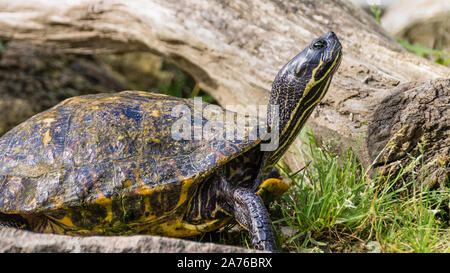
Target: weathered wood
235,48
415,120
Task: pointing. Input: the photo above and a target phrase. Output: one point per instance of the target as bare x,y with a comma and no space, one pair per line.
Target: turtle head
317,60
299,86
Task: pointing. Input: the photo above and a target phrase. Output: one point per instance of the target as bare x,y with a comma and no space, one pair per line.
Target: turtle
116,163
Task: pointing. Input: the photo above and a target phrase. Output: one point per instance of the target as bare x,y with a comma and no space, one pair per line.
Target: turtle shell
110,155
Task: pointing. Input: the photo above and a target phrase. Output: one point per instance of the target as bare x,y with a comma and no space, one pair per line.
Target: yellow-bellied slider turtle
108,163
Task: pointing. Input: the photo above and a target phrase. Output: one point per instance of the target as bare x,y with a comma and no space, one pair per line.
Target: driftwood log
235,48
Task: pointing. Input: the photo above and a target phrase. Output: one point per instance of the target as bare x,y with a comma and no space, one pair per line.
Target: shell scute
18,188
134,174
175,169
102,134
34,150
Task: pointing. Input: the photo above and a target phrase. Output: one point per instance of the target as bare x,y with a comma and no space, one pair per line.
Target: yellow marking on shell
103,200
180,228
107,203
185,186
176,229
127,183
46,138
205,227
156,140
65,221
144,190
148,211
155,113
275,186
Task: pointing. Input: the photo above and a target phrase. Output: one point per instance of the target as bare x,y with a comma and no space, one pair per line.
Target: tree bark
235,48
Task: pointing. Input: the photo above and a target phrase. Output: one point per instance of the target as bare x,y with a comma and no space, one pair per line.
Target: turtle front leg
248,209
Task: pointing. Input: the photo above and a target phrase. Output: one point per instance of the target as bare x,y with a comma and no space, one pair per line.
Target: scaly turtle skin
108,164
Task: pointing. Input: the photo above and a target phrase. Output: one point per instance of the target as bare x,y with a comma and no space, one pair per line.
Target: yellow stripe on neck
308,87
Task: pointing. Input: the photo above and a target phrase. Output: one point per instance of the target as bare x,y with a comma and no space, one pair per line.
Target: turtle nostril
331,34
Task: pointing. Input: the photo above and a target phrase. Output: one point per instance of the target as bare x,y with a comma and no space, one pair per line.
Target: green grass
439,56
335,206
376,12
180,84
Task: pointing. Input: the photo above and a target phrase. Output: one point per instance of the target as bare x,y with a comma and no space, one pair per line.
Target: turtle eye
319,44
